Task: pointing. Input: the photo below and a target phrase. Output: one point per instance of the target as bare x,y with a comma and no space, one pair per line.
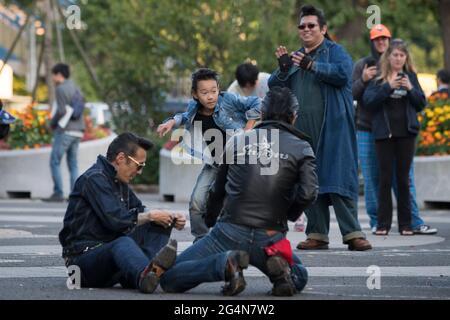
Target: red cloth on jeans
281,248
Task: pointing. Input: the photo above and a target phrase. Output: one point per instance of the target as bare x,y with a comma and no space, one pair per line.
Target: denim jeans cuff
319,237
353,235
221,265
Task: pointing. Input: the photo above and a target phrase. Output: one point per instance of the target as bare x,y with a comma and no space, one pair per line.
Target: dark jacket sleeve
307,187
112,213
358,85
216,196
135,203
416,96
280,79
375,94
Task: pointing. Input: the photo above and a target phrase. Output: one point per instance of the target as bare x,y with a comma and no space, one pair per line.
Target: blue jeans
369,167
64,144
205,260
199,199
121,260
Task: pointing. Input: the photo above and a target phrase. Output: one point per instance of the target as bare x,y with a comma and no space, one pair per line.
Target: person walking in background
364,71
67,130
394,98
216,113
249,81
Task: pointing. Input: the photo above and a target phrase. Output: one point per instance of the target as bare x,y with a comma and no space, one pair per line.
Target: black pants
400,150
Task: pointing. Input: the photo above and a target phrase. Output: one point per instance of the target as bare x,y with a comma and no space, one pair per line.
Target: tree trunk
444,13
89,67
48,53
59,38
16,40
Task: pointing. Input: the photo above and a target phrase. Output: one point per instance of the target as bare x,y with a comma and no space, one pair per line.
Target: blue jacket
231,113
336,156
100,210
375,98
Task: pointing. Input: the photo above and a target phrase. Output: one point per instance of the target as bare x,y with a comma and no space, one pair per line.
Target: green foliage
19,88
129,43
30,129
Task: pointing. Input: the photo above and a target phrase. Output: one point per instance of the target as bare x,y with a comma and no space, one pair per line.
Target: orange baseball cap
379,30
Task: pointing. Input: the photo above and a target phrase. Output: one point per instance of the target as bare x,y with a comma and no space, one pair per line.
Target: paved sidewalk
415,267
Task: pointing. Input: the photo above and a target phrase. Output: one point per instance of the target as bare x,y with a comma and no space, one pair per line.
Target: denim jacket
231,112
336,154
101,209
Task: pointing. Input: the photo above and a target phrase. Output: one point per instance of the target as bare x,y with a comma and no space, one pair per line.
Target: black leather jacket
245,194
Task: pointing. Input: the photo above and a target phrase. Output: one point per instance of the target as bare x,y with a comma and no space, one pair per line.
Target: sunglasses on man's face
140,166
307,25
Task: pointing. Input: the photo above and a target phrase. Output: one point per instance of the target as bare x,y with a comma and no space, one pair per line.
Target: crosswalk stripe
353,272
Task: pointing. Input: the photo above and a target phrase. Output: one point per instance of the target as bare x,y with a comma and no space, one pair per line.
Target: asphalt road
415,267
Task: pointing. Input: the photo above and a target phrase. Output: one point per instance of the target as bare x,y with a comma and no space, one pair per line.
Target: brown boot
359,244
311,244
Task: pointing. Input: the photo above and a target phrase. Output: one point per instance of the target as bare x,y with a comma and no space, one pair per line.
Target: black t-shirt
396,112
209,123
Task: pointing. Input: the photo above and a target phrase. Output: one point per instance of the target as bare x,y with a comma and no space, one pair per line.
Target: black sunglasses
309,25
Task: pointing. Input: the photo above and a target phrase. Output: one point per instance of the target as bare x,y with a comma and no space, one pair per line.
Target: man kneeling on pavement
107,231
255,197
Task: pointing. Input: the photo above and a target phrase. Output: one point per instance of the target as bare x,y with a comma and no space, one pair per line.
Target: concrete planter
432,177
28,171
176,181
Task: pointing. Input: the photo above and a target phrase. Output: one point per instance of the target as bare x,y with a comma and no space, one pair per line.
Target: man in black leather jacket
268,177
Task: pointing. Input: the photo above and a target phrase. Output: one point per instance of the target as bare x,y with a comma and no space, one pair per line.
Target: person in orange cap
364,71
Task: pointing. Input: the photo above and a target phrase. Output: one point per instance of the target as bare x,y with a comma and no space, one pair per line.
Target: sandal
381,232
406,232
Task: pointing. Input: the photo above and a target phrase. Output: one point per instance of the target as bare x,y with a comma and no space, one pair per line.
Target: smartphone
371,62
400,75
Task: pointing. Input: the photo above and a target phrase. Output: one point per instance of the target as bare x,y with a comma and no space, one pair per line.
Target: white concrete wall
29,170
432,177
177,180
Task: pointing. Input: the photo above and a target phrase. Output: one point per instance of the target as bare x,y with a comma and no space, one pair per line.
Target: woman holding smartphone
394,98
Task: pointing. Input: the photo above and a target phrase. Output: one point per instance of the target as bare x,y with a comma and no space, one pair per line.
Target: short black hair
444,76
127,143
203,74
309,10
63,69
247,73
279,104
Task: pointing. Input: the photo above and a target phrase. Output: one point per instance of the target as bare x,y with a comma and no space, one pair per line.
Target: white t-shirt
260,89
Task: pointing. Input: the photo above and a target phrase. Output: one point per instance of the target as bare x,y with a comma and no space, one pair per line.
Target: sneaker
311,244
359,244
237,261
425,229
373,230
163,261
279,273
54,198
